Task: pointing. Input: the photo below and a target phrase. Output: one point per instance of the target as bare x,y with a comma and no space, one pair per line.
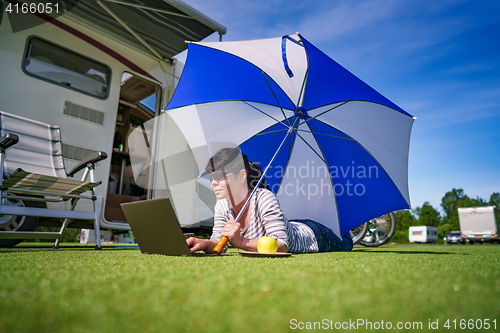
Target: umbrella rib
307,143
256,108
272,132
301,97
288,132
272,91
332,136
322,113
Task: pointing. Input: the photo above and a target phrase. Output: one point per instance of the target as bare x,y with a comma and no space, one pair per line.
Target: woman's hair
231,159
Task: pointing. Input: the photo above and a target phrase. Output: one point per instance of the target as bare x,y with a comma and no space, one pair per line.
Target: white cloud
345,18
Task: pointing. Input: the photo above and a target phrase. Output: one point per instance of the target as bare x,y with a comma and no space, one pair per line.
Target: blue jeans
327,240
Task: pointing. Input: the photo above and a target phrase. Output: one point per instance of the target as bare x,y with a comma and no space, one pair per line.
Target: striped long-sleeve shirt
267,219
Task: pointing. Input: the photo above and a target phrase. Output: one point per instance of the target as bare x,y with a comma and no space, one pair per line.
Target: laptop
156,228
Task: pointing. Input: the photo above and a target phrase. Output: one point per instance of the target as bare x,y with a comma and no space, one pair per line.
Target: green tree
444,229
450,203
428,215
404,219
494,200
453,200
473,202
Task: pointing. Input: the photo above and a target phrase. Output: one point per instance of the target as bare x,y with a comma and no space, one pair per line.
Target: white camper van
422,234
480,224
99,71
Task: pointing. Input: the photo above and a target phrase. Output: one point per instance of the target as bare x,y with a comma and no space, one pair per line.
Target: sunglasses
219,175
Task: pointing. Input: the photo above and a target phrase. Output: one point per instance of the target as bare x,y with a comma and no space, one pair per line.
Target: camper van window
65,68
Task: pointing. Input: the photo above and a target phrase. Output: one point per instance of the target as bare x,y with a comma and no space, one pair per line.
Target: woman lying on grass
233,178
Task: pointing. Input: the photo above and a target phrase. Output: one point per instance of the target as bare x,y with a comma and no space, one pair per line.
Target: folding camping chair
33,170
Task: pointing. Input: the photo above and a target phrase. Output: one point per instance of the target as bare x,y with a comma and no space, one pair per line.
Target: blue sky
438,60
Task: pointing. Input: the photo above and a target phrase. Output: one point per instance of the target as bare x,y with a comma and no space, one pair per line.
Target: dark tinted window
65,68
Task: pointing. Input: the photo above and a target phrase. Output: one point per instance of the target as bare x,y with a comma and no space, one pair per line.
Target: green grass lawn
122,290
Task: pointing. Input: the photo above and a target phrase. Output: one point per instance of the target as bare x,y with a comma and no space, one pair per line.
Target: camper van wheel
16,222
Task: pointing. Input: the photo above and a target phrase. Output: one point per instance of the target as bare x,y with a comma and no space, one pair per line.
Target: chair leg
63,227
65,224
97,226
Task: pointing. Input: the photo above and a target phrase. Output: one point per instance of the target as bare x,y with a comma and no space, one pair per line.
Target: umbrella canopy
339,149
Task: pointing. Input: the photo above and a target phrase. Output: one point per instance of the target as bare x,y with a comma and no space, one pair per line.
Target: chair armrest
88,162
7,141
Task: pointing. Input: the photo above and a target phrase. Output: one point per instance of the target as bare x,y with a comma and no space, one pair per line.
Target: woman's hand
197,244
233,232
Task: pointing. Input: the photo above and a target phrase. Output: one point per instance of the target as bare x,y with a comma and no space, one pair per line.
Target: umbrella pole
290,129
223,241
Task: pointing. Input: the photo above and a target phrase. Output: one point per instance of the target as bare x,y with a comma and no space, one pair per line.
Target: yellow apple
267,245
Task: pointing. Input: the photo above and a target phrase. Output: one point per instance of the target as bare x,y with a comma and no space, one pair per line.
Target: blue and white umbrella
336,151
